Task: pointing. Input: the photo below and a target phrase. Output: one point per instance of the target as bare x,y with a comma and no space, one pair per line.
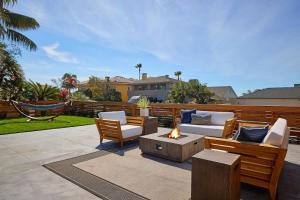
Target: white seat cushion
217,118
207,130
276,133
131,130
116,115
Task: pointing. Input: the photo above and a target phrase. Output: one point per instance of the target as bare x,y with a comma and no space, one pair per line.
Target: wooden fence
10,111
249,113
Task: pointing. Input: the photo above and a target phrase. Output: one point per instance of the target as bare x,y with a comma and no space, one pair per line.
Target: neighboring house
223,94
283,96
152,87
121,84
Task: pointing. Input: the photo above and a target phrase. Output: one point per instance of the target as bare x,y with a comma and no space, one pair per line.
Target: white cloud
60,56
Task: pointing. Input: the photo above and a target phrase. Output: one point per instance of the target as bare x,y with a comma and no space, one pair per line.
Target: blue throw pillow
252,134
186,116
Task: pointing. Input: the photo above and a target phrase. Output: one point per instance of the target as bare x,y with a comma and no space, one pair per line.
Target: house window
161,86
140,87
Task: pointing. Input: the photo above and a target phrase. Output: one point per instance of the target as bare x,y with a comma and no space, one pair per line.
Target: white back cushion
217,118
116,115
207,130
277,133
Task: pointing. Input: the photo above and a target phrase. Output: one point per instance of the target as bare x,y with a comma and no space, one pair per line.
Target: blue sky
245,44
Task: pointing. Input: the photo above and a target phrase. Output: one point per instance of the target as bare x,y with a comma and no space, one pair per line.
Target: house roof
222,91
274,93
158,79
121,79
115,79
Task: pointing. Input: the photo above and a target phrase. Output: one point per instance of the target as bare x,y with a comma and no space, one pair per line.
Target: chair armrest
138,121
111,128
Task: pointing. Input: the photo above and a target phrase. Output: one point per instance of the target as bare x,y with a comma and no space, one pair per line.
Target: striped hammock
29,106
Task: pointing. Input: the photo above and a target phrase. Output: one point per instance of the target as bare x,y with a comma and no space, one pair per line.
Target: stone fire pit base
180,149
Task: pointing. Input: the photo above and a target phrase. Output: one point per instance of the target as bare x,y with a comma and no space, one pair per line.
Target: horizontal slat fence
6,107
249,113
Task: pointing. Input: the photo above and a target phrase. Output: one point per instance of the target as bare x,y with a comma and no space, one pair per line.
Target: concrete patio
22,175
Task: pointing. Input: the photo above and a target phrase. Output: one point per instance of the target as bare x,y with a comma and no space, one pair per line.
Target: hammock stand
37,107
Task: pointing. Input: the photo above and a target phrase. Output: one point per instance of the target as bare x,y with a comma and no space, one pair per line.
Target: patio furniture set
217,157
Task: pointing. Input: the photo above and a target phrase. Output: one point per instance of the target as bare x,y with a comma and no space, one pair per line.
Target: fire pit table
179,149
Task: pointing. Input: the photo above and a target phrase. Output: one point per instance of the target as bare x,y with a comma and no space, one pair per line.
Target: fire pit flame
174,134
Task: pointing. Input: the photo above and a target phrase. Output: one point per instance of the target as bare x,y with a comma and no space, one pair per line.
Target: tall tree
11,23
11,75
139,66
178,74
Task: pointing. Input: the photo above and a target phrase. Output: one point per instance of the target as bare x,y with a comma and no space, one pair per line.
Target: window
161,86
140,87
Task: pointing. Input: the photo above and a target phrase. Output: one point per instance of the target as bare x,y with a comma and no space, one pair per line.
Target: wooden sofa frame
261,164
229,126
111,129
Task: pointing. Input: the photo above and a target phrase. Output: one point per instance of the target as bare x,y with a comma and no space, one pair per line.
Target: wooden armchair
261,163
113,130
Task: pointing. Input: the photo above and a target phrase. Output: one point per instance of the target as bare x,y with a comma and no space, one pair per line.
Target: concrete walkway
22,175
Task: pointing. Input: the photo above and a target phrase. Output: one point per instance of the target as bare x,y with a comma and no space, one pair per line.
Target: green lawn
8,126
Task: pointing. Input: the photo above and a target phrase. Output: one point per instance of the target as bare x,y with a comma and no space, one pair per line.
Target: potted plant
143,104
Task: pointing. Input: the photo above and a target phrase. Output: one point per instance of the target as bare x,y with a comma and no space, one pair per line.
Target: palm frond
9,2
18,21
20,38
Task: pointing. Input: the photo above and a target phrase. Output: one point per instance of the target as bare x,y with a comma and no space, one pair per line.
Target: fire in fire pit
174,134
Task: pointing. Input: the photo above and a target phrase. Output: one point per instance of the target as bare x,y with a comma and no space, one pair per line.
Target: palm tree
69,81
11,23
139,66
178,74
38,92
11,75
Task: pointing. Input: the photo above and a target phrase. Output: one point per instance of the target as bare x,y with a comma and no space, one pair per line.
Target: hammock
28,106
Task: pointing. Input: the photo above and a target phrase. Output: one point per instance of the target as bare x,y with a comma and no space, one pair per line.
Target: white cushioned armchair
119,127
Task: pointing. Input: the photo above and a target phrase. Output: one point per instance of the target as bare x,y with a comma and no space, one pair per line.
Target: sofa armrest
229,127
239,147
138,121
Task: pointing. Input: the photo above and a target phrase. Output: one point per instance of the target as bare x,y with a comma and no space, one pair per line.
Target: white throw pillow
115,115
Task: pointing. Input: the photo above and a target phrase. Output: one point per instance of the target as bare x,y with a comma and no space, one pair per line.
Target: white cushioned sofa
219,121
117,126
261,163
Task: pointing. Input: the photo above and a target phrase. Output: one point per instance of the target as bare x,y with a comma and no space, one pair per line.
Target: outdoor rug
127,174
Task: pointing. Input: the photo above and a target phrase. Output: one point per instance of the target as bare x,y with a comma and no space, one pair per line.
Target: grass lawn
8,126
